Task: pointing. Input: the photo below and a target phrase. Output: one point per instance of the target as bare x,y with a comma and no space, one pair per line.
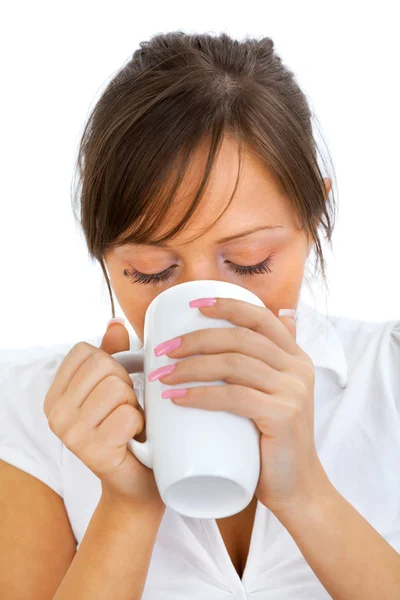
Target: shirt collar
316,335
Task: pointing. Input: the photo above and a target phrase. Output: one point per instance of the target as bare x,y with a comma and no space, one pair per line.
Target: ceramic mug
206,463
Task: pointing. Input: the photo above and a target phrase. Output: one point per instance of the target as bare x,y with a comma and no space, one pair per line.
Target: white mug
206,463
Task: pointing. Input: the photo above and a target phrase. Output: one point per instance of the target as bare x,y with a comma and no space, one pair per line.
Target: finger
288,320
233,339
258,318
82,368
96,367
116,338
229,367
65,372
119,427
110,393
270,413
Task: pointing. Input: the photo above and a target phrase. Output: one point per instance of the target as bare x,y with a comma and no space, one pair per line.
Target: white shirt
357,435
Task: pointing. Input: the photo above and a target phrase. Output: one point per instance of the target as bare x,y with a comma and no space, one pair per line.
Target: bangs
156,205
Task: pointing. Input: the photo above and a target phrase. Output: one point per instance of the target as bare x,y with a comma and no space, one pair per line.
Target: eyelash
245,271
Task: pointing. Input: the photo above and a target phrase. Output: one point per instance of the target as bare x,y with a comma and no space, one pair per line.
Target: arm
346,553
37,544
114,556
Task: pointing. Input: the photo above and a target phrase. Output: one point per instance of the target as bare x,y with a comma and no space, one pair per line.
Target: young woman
199,162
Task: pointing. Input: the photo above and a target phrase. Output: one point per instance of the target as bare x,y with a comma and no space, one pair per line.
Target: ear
328,185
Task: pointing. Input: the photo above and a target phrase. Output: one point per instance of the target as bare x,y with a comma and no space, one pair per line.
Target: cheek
290,277
134,308
136,319
282,289
292,272
133,300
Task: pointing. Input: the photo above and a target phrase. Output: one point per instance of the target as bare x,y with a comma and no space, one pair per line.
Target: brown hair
176,91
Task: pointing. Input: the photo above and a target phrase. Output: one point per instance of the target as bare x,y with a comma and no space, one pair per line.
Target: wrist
317,495
122,504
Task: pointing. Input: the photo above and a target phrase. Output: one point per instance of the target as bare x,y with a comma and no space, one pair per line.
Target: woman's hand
271,381
92,407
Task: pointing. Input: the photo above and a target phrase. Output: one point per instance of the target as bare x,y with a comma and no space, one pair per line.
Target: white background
57,57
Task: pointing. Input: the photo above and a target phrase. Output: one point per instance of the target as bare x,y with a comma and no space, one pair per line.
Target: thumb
116,337
287,317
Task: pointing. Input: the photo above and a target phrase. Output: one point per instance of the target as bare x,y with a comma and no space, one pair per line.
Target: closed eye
245,271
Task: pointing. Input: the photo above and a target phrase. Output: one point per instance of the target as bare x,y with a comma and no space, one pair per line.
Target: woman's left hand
271,381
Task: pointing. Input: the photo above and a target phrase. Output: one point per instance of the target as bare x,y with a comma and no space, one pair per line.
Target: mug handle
133,362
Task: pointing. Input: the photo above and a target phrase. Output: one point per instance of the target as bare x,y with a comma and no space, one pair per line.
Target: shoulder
371,344
360,334
30,369
26,441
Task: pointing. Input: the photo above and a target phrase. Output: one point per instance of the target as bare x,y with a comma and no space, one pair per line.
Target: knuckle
56,420
233,360
116,385
294,410
100,359
48,401
80,346
299,387
72,438
82,349
103,363
120,390
107,365
307,365
241,393
309,370
243,334
304,372
131,416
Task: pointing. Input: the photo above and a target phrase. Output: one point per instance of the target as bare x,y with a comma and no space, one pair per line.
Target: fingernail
202,302
161,372
115,320
168,346
287,312
177,393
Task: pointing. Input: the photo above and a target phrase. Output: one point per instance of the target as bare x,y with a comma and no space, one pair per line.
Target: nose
201,269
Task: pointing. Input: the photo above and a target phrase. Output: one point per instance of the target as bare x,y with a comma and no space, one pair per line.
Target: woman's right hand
92,407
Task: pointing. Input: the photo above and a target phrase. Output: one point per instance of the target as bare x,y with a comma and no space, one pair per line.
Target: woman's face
258,202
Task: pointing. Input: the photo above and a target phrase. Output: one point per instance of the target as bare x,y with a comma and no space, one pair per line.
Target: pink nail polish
177,393
202,302
116,320
161,372
168,346
287,312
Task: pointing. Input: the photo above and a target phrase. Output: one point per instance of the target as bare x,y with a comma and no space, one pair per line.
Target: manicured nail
287,312
168,346
177,393
202,302
115,320
161,372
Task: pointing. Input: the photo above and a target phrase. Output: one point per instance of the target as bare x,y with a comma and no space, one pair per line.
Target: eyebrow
244,233
229,238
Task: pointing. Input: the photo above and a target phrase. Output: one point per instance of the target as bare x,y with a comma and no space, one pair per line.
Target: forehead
258,199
